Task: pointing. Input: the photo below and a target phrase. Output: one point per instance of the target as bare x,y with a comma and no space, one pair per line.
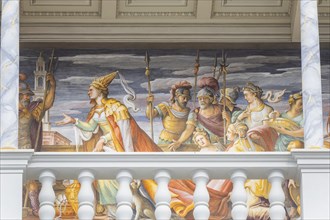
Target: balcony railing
309,168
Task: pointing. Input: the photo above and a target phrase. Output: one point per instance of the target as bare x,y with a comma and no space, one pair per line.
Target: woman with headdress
109,123
257,190
289,125
287,135
254,115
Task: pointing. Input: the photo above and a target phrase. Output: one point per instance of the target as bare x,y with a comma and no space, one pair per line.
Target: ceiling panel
251,8
58,8
156,8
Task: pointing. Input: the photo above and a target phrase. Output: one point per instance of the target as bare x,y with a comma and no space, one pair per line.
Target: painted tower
40,87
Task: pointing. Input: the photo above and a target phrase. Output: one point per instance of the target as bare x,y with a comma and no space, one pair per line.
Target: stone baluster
9,74
311,75
276,195
163,196
86,195
124,196
201,195
47,195
238,196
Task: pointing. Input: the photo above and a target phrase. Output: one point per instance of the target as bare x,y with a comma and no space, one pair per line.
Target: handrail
181,165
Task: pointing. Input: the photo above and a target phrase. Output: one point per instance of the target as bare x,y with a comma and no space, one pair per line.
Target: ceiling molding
171,21
61,13
250,14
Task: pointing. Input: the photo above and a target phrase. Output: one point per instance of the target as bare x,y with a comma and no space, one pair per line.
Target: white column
124,196
9,74
311,75
238,196
12,168
201,196
47,195
86,196
314,176
276,196
163,196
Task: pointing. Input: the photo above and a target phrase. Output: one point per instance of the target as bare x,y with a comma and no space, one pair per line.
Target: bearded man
209,116
174,114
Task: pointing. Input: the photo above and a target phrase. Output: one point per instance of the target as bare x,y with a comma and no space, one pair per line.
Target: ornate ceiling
165,21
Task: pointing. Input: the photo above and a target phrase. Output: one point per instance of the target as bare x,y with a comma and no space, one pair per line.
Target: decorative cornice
251,14
324,14
61,13
157,14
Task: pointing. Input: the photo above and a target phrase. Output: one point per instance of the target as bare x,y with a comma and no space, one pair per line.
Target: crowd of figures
217,124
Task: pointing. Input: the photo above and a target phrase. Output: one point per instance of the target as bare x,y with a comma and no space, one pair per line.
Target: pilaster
13,165
314,175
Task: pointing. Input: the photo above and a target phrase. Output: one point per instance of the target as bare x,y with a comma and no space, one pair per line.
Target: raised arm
51,92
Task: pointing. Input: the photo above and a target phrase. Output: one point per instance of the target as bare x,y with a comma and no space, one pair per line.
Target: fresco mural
164,100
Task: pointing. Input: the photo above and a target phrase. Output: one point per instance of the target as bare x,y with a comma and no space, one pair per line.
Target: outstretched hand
174,146
66,120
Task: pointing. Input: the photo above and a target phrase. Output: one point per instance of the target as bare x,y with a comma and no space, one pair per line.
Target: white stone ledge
181,165
145,165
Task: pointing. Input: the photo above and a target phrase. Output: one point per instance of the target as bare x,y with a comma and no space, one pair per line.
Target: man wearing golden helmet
109,127
174,114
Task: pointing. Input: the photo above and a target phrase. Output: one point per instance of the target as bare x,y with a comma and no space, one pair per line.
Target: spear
223,70
50,71
215,64
147,60
196,68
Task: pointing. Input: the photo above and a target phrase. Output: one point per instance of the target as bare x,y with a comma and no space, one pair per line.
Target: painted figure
240,142
289,125
174,114
254,115
30,115
294,114
232,111
202,139
109,124
257,190
208,116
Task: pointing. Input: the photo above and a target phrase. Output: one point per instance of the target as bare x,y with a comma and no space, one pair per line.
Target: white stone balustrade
86,195
47,195
124,196
306,166
201,195
163,196
276,196
238,196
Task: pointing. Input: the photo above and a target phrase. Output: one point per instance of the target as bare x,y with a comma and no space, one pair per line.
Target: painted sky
270,69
